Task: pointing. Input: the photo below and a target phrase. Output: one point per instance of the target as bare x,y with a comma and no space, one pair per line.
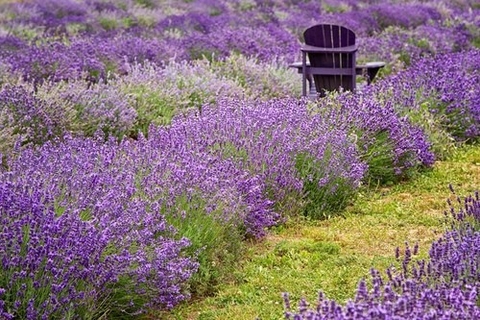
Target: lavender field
145,143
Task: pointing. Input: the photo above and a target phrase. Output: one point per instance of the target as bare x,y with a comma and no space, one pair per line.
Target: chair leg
304,74
310,82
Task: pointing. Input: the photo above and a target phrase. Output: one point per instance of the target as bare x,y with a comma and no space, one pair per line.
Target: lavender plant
389,144
403,15
63,262
161,92
401,47
54,13
31,120
259,80
447,85
29,117
284,144
92,107
49,263
444,287
107,185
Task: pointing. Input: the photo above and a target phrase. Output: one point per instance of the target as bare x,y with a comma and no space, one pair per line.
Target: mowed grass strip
332,255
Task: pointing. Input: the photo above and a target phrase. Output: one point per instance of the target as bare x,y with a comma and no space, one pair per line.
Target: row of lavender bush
148,95
230,168
93,40
152,93
146,88
443,287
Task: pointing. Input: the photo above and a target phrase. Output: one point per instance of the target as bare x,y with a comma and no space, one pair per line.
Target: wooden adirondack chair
331,50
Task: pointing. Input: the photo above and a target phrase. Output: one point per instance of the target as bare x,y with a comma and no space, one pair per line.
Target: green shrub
323,194
215,241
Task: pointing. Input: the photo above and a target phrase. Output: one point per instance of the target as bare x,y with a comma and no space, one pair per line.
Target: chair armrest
313,49
298,65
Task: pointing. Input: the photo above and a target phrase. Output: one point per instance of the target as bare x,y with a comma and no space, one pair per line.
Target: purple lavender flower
445,287
78,244
449,85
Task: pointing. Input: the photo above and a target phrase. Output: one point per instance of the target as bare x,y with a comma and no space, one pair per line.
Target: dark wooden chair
331,51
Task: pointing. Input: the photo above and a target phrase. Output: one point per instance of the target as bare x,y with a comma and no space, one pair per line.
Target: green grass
303,257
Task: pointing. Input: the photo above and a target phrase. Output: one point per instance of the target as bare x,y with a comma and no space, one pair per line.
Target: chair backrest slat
331,36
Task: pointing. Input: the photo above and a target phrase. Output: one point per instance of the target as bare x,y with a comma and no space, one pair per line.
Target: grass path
332,255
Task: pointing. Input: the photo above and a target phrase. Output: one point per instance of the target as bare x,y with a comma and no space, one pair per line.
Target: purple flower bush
285,145
448,85
82,182
265,42
389,144
403,15
60,260
187,169
401,47
91,107
30,119
443,287
90,58
375,18
57,13
258,79
158,93
11,45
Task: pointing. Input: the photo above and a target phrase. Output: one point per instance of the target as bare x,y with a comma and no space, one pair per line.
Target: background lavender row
151,95
60,40
206,16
